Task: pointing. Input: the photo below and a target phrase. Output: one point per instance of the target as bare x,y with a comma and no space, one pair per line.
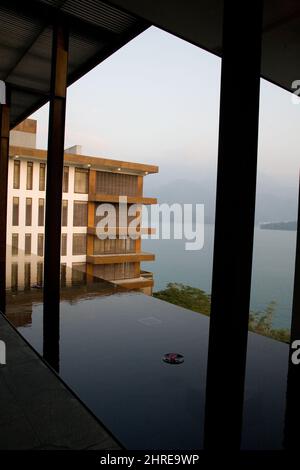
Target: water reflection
27,290
108,345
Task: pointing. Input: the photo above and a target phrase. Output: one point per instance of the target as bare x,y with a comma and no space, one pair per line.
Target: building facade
87,183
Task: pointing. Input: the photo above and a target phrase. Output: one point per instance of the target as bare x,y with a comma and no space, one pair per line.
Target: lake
272,274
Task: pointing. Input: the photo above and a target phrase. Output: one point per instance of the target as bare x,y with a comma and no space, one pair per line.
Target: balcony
141,282
127,231
120,258
98,197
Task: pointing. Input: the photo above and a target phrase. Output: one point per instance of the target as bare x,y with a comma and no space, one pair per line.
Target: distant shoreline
289,226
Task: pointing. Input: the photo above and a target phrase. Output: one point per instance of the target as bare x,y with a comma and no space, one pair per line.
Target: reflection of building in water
25,271
87,182
20,316
75,286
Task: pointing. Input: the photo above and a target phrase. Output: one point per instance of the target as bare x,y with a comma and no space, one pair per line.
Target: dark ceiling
96,30
99,28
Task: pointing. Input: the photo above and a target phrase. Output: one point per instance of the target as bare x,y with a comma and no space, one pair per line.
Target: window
130,270
81,181
99,246
130,245
15,215
113,220
79,243
14,244
80,214
119,271
110,272
117,183
14,276
27,276
66,179
29,180
27,243
64,215
42,178
40,245
78,273
39,273
28,212
41,212
63,244
118,245
16,174
106,245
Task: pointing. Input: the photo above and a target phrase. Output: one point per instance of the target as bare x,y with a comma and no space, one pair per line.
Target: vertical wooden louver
116,184
118,271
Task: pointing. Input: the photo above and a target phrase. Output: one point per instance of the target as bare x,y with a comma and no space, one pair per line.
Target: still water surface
272,275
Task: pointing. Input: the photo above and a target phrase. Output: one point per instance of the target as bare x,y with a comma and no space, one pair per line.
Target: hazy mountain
274,202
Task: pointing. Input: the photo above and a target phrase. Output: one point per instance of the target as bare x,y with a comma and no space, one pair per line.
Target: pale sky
157,101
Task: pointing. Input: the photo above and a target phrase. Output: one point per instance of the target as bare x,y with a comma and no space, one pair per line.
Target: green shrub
185,296
195,299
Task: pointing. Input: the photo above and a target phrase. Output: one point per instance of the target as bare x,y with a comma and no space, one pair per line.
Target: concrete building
87,182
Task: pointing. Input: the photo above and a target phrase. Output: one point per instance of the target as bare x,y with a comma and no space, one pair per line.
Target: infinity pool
109,349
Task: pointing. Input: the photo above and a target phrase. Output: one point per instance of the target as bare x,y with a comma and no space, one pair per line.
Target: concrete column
4,159
55,163
234,223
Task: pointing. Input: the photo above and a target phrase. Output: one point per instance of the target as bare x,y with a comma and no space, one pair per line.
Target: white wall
22,139
34,229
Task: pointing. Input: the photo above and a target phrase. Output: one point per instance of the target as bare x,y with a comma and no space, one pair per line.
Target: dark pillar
55,161
292,420
234,223
4,158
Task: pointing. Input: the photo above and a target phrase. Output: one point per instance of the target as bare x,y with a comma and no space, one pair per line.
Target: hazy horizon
156,101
